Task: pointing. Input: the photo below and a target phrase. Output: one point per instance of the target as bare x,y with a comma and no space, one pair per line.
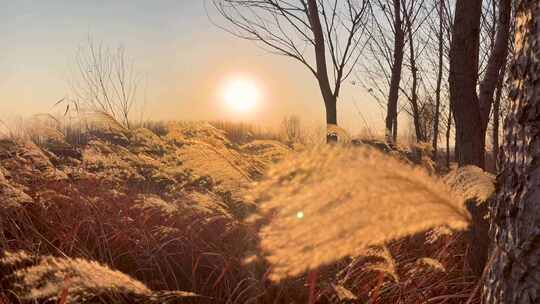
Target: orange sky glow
185,61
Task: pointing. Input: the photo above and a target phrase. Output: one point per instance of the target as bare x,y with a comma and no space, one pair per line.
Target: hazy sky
185,58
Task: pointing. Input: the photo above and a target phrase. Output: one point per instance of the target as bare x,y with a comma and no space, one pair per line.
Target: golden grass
241,133
165,210
48,276
385,264
431,264
329,203
472,182
135,205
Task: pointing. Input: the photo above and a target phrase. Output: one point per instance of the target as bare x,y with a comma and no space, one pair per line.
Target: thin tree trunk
414,88
448,133
497,61
464,54
496,121
399,44
456,144
435,143
513,277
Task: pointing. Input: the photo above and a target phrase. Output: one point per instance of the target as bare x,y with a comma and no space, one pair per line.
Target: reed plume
331,202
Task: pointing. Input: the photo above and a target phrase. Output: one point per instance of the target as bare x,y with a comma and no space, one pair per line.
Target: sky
184,58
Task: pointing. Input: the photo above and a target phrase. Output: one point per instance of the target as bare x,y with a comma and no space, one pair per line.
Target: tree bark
464,53
330,99
514,274
393,95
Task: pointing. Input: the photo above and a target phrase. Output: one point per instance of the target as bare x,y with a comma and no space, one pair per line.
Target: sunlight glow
241,95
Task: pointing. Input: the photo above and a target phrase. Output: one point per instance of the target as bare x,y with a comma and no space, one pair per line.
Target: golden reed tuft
331,202
471,182
49,276
386,265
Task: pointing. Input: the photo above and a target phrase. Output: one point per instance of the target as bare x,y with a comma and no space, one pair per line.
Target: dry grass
165,209
242,133
46,277
472,183
44,129
128,200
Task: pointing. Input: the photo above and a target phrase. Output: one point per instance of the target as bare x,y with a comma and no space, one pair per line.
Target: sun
241,95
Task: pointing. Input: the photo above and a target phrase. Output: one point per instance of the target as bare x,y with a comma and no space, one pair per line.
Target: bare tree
414,20
431,39
472,111
514,268
397,71
316,33
396,68
105,82
495,69
380,72
440,72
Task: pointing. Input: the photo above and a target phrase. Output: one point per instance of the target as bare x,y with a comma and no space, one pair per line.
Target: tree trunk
331,119
414,88
514,274
393,95
464,53
440,37
448,133
416,118
497,61
395,130
495,71
330,99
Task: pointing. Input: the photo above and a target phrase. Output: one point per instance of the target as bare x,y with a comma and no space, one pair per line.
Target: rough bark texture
399,44
463,80
514,275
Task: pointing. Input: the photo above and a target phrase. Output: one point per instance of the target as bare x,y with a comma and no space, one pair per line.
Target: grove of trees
442,63
456,68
